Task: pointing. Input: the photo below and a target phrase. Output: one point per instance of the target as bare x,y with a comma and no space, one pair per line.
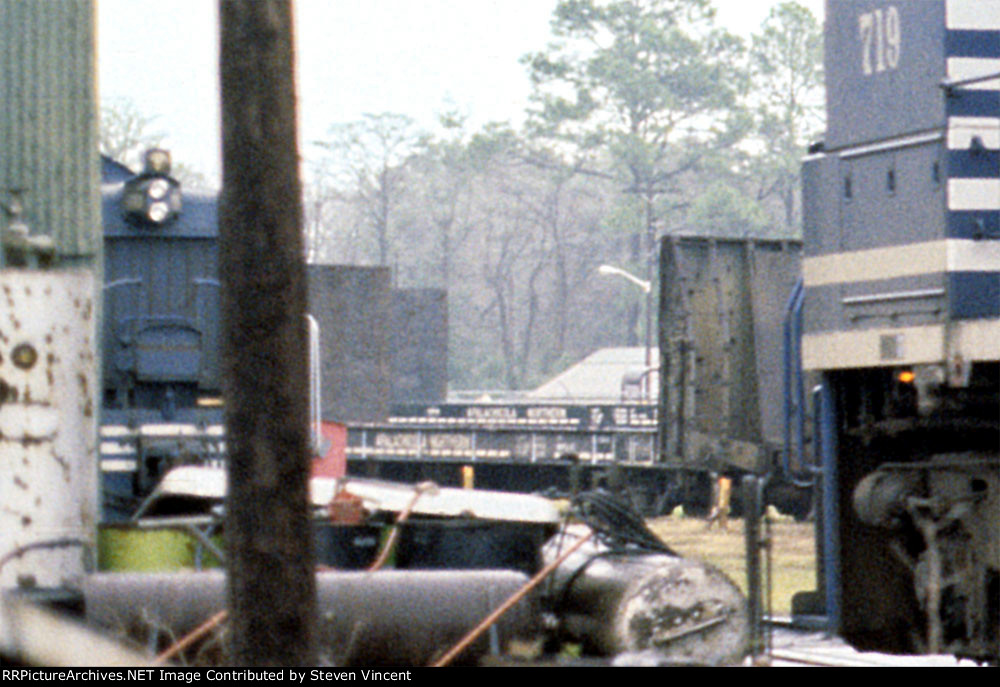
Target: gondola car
902,324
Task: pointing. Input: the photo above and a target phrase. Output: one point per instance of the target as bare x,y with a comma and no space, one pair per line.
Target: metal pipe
388,618
35,636
819,535
831,517
315,386
752,512
794,401
192,637
894,296
390,543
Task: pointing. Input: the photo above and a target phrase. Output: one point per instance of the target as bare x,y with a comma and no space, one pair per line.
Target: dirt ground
793,553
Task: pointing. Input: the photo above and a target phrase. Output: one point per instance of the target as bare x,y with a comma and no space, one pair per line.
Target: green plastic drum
127,548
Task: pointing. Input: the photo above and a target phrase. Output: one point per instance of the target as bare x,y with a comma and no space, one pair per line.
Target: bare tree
334,227
367,158
786,64
126,134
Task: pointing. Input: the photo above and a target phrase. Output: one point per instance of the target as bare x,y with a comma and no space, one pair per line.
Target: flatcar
901,318
540,446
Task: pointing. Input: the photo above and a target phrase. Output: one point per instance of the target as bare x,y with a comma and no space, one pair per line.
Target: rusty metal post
752,518
262,268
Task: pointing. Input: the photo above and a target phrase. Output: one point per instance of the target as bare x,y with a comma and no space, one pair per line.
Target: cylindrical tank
675,609
48,394
386,618
47,454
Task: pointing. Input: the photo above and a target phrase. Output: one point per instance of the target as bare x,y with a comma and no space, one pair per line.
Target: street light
647,288
641,283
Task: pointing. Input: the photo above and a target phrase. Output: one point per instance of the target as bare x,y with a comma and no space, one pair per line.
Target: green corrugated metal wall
49,119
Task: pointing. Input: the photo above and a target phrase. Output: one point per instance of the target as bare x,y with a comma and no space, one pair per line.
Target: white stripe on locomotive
979,15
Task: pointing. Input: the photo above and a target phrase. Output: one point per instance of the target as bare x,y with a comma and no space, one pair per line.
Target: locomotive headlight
158,188
158,211
153,197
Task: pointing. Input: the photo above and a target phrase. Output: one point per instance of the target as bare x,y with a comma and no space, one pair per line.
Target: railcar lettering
450,442
406,441
596,417
546,413
627,416
475,413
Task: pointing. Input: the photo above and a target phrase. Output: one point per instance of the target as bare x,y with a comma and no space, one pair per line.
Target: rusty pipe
493,617
390,542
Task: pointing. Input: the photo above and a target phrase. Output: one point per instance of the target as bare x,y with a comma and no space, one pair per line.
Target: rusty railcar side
722,304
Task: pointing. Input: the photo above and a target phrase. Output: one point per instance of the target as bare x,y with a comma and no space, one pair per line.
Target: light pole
647,288
641,283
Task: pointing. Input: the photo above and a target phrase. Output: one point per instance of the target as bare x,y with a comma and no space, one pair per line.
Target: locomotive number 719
881,38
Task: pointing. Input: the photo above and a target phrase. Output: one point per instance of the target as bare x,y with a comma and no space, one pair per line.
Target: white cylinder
48,430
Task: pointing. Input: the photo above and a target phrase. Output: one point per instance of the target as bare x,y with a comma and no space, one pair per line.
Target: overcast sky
414,57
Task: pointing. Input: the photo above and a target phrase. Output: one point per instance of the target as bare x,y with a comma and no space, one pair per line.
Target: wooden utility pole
262,270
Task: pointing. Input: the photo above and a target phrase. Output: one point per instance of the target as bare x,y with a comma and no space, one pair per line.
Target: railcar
525,447
719,409
722,322
901,320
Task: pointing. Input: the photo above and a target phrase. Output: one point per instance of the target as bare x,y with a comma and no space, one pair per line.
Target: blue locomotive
902,323
160,333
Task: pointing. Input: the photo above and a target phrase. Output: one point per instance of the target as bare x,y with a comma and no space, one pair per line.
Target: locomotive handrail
794,396
128,281
948,84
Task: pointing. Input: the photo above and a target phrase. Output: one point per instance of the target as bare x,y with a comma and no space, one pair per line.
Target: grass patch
793,553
